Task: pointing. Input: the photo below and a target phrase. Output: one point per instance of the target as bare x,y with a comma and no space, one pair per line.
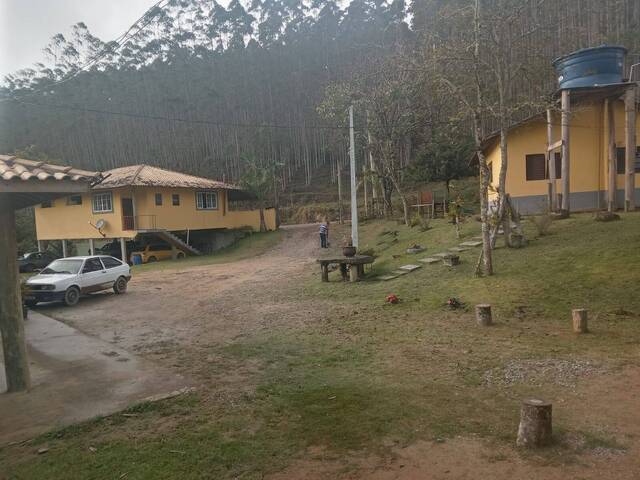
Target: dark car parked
30,262
113,249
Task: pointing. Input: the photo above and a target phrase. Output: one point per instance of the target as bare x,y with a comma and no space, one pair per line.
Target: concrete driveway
75,377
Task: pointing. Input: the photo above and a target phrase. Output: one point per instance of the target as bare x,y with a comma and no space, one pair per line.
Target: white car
67,278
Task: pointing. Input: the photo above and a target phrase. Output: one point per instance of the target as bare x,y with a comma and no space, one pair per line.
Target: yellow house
534,145
142,200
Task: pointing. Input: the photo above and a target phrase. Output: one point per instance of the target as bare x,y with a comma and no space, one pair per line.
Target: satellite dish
100,224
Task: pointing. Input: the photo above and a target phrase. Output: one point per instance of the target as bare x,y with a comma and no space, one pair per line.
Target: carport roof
27,182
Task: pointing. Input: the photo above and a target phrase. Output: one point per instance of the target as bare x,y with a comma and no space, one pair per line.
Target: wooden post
123,250
535,428
174,252
611,156
325,272
366,190
91,247
483,315
551,162
16,364
566,160
64,248
580,317
630,144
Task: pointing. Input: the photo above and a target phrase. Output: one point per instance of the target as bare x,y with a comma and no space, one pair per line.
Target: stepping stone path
400,272
386,278
430,260
471,243
435,258
410,268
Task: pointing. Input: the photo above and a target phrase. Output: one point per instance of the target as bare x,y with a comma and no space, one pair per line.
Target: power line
178,119
109,49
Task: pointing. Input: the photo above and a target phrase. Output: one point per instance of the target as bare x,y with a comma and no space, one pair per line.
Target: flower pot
349,251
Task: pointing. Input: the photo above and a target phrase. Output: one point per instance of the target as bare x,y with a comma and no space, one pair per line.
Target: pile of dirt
562,372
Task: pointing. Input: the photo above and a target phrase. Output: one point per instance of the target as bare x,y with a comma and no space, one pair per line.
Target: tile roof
13,169
146,175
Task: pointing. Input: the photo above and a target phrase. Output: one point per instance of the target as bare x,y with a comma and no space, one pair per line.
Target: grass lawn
367,375
253,245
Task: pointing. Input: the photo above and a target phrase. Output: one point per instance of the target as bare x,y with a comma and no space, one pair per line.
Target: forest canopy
198,87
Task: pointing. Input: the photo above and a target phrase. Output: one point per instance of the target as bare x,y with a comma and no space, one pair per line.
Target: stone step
430,260
410,267
471,243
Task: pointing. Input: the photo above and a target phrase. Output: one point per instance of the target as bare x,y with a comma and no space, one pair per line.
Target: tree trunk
14,347
477,133
263,224
403,199
340,212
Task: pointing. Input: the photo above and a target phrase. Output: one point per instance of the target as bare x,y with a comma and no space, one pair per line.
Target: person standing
324,233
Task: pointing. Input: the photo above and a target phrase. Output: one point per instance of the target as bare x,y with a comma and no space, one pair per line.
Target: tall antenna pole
354,199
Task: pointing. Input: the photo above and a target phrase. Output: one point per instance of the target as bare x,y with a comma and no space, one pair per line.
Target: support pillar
566,159
16,363
64,248
551,162
123,249
630,144
611,156
40,246
92,250
174,252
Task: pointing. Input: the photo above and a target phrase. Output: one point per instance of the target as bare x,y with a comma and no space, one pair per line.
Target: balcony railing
139,222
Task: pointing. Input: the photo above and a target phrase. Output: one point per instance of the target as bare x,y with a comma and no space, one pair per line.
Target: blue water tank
591,67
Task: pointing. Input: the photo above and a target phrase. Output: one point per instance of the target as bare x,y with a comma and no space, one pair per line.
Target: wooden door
128,222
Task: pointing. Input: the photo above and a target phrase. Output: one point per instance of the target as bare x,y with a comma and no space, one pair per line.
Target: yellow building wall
187,217
72,222
63,221
588,150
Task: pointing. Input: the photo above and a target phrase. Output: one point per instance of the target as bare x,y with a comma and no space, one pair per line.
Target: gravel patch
538,372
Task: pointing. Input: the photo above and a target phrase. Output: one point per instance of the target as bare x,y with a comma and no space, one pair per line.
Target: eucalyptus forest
203,88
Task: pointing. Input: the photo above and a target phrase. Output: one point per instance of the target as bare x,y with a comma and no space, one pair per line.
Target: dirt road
172,313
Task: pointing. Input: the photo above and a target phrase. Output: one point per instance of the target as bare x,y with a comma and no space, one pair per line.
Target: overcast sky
27,25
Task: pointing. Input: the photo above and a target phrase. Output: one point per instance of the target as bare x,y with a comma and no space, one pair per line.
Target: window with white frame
207,200
102,202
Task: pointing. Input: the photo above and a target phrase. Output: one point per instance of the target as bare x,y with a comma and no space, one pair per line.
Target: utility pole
354,193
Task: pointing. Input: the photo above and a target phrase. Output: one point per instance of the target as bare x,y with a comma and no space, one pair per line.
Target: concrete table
356,262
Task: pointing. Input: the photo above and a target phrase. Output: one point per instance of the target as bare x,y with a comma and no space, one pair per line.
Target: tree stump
516,240
483,315
451,260
535,423
580,317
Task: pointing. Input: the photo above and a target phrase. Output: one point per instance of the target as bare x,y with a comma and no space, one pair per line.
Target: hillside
199,88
